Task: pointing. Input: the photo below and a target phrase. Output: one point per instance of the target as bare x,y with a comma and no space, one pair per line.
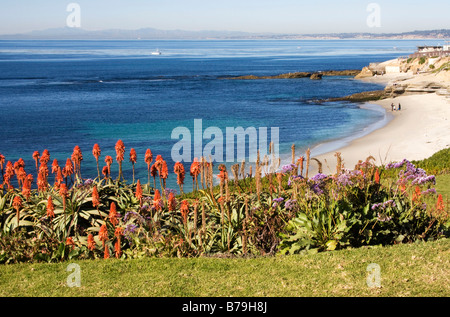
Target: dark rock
365,72
281,76
362,96
349,72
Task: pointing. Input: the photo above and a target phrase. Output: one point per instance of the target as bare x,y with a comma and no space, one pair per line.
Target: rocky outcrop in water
365,72
348,72
362,96
281,76
315,75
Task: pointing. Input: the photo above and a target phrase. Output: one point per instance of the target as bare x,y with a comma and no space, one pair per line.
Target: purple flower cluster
290,204
294,178
129,230
277,201
383,217
344,179
417,176
429,191
167,191
420,180
318,177
288,168
384,205
145,208
131,214
316,189
88,182
146,199
396,165
317,185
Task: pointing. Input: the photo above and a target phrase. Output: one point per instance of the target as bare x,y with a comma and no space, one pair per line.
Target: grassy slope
421,269
443,185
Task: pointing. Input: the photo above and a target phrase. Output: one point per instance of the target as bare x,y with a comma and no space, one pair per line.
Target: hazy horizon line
221,30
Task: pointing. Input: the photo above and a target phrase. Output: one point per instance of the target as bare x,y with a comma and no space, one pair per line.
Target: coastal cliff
410,76
404,77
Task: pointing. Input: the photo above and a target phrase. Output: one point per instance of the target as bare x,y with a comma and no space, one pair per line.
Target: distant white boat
157,52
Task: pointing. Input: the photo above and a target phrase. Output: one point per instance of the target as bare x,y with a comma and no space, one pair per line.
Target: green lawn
421,269
443,185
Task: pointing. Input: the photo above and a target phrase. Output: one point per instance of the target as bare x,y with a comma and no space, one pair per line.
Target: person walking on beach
399,107
392,107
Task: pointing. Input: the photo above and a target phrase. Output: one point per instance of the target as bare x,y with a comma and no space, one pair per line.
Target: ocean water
58,94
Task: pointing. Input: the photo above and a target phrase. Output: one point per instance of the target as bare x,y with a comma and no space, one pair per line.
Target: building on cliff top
432,51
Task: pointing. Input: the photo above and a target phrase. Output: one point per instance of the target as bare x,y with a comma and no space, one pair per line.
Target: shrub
438,163
354,209
286,211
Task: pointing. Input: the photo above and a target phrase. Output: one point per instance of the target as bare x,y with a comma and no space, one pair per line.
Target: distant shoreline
67,33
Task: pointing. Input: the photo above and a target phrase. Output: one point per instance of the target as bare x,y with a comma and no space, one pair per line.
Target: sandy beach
417,131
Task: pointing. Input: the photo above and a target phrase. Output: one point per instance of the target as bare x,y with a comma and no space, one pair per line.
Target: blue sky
276,16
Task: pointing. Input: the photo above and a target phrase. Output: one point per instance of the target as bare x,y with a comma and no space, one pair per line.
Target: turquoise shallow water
58,94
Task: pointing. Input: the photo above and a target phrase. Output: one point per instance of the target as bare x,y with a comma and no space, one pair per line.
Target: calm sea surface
58,94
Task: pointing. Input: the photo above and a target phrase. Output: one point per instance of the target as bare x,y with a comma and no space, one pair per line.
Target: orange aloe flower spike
55,166
106,255
95,197
17,204
45,157
77,157
184,210
138,193
109,161
171,202
68,169
36,156
70,243
105,171
103,234
133,156
63,191
91,242
440,203
50,208
157,200
113,214
133,159
120,151
117,248
377,177
148,157
96,152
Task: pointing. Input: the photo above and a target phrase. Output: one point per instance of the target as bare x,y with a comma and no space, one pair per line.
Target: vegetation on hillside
265,211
